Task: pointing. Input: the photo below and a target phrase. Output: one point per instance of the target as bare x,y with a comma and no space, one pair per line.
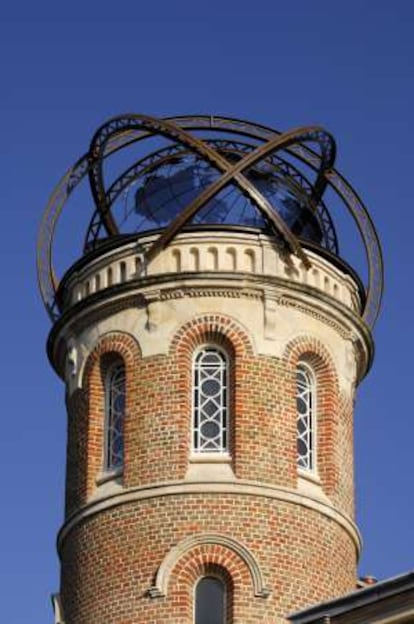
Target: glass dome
159,197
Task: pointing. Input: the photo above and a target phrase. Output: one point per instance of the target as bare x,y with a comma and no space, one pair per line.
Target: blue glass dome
163,194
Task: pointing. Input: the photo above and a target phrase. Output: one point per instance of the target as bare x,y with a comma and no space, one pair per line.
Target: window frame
223,582
311,468
110,468
224,451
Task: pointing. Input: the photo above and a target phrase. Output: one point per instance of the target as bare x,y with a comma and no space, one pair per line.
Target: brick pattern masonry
110,559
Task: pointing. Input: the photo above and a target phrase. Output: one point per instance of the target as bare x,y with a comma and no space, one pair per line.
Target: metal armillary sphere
212,171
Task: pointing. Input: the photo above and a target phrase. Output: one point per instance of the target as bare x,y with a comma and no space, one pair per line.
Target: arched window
114,416
306,420
210,401
210,601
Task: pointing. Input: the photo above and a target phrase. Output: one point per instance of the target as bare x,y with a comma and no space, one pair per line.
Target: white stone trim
267,329
57,609
310,485
160,587
242,487
251,253
109,475
210,458
210,467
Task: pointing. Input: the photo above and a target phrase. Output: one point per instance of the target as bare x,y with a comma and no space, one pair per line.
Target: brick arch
199,564
217,328
112,345
120,343
312,351
224,332
197,555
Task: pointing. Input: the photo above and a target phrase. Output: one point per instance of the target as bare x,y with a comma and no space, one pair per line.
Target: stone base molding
244,488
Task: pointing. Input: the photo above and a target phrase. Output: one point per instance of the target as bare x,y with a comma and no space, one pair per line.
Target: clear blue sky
65,68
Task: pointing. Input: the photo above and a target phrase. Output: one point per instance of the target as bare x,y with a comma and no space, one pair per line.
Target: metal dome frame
122,131
292,176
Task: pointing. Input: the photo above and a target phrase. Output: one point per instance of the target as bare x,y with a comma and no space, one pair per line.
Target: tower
210,339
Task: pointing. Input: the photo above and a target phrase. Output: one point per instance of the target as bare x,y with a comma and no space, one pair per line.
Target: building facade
210,390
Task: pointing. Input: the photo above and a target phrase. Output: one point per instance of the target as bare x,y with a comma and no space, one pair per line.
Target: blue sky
65,68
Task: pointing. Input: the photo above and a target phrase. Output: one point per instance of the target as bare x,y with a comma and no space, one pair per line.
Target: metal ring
122,131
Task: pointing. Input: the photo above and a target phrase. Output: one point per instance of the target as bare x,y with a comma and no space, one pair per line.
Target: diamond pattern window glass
210,401
115,414
305,405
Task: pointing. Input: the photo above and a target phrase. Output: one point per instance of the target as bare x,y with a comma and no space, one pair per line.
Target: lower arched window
114,416
210,401
210,601
306,418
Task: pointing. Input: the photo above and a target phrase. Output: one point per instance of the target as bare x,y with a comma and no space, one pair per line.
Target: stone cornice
167,287
182,488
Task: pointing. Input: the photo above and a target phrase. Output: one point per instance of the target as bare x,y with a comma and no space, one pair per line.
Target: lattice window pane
210,411
115,414
305,399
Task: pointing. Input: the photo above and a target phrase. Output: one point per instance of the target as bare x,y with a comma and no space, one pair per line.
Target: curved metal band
47,280
162,156
338,184
231,173
234,173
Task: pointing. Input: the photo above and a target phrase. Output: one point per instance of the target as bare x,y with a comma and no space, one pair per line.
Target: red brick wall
109,561
334,421
77,456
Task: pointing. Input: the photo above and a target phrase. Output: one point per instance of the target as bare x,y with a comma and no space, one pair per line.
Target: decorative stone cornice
169,287
229,293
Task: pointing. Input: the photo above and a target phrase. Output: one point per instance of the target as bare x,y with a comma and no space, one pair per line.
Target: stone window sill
109,475
210,458
309,475
210,467
310,485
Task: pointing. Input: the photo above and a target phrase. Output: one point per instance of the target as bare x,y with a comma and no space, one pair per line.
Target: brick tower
210,339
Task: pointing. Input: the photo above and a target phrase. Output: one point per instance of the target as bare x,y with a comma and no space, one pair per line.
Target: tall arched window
114,416
306,419
210,401
210,601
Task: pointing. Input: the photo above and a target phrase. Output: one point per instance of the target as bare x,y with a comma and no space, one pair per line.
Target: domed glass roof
162,195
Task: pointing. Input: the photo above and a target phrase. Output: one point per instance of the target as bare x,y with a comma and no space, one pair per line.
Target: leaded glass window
210,401
305,405
210,601
115,414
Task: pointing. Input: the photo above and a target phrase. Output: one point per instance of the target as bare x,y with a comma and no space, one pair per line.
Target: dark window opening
210,599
